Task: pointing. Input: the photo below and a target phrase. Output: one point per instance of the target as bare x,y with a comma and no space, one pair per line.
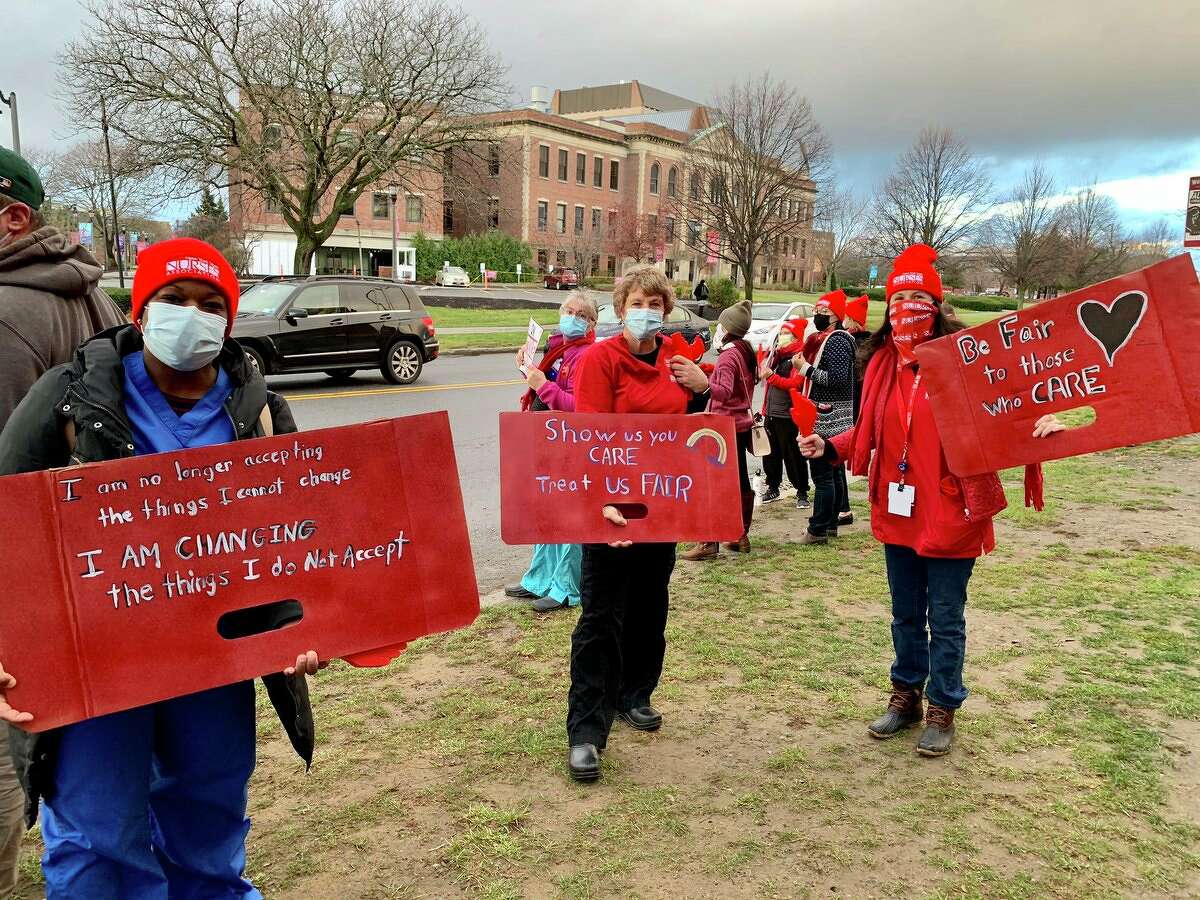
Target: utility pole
11,102
393,191
112,193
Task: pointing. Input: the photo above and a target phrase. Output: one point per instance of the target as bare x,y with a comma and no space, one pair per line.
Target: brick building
597,178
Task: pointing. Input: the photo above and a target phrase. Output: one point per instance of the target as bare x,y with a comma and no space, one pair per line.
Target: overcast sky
1101,90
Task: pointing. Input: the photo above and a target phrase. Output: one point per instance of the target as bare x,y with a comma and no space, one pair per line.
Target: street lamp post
358,228
394,192
11,102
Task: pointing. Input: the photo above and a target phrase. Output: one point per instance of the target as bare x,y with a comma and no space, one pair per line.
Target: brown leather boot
707,550
938,733
740,546
904,710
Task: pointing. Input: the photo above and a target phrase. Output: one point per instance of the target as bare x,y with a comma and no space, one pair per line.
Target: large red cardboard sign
129,582
674,478
1125,347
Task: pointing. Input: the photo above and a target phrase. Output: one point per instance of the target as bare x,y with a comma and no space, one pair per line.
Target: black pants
619,642
845,507
827,501
785,453
744,443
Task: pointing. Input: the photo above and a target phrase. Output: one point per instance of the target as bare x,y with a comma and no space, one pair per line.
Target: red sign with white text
1124,347
1191,221
674,478
153,577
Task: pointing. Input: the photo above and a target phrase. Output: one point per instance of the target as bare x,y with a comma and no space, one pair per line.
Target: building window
560,258
414,208
579,220
694,233
448,161
272,138
595,268
803,249
716,189
272,204
654,170
345,136
598,172
542,260
493,212
543,214
379,205
614,175
595,221
581,168
494,160
447,216
562,165
669,225
347,212
694,187
612,220
672,178
612,266
544,161
670,267
561,211
763,275
653,222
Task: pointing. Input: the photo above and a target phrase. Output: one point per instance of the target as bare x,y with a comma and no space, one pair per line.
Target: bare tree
936,195
758,171
82,181
843,214
634,237
1019,240
304,103
1094,246
1156,239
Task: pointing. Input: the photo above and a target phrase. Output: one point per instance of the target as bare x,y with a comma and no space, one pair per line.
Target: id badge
901,498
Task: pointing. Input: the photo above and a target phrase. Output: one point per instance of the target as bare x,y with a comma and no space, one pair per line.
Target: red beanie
856,309
913,271
796,327
179,259
836,301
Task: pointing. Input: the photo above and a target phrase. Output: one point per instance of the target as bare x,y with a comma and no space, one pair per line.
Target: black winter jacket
90,390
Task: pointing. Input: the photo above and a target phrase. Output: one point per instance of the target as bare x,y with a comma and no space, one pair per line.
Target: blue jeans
933,592
151,802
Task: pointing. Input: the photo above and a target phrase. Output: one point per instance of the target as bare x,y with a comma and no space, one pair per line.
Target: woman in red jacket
619,642
933,525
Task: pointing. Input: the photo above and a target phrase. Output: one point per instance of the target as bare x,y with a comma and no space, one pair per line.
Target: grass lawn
450,317
1076,771
481,341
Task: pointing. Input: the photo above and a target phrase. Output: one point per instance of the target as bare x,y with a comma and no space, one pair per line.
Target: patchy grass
1076,772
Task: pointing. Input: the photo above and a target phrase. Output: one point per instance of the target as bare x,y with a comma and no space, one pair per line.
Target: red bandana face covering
912,324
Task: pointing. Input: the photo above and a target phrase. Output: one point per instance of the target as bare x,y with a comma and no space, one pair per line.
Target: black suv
335,324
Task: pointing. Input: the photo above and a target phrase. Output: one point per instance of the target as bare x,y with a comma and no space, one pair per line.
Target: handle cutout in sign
630,510
242,623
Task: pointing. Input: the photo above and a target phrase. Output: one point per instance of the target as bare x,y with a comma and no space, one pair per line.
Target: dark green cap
19,181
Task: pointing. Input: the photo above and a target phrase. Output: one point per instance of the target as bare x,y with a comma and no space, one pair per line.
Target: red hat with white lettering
913,271
856,309
836,301
182,259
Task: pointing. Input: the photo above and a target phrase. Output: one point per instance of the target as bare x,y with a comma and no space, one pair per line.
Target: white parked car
766,321
453,276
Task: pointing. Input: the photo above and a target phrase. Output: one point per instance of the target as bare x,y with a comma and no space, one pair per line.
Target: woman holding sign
151,802
552,580
618,645
933,525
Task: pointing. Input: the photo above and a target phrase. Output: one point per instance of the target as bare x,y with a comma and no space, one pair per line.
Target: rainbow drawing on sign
722,451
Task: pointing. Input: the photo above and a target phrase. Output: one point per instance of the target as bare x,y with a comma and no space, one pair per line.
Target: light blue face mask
572,326
643,323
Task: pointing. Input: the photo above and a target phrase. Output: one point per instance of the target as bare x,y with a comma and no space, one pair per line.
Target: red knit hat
179,259
836,301
856,309
797,327
913,271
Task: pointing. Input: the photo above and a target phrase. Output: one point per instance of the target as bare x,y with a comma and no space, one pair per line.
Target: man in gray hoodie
50,303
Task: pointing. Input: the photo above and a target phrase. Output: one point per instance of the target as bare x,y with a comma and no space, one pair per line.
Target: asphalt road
474,389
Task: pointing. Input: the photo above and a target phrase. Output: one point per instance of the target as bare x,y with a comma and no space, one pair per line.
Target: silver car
452,276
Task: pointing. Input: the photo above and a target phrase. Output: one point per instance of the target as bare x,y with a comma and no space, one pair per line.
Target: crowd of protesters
151,802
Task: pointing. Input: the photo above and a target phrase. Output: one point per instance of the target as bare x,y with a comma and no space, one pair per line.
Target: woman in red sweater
932,524
619,642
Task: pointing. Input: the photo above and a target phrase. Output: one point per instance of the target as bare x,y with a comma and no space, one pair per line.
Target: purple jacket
558,394
732,386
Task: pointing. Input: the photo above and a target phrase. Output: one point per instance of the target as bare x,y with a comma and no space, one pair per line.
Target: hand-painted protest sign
157,576
674,478
1124,347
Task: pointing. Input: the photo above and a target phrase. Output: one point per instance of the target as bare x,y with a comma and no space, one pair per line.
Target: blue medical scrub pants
554,572
151,802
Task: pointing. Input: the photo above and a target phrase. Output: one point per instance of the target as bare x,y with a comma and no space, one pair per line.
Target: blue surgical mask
643,323
572,326
182,337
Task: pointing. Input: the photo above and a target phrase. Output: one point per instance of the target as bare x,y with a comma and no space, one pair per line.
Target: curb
480,351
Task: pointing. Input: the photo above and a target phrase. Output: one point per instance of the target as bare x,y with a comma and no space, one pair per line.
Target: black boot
643,718
903,711
584,762
938,733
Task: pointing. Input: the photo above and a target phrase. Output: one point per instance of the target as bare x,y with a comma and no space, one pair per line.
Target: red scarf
812,345
912,324
782,353
548,361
